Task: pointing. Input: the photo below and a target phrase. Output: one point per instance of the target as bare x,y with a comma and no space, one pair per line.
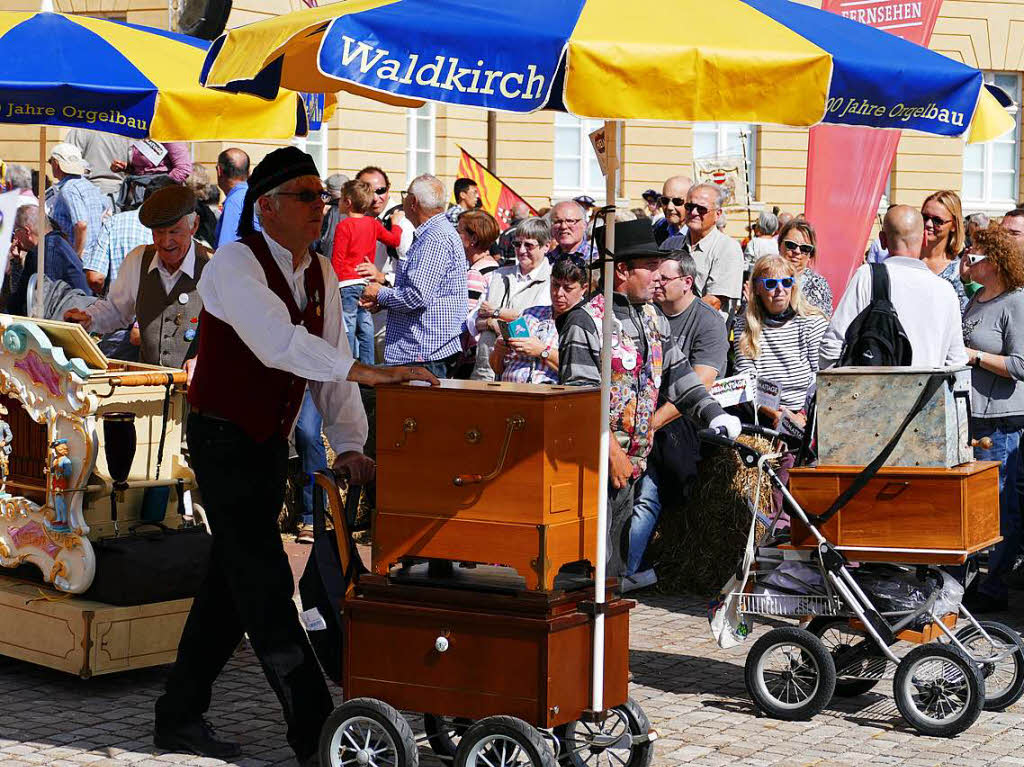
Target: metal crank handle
985,443
512,424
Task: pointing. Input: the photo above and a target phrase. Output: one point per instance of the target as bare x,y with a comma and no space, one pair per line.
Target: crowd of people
311,286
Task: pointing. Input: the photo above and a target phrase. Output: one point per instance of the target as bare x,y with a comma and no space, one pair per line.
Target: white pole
611,142
37,310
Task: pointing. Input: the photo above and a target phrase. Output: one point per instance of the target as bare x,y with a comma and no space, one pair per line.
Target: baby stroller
852,616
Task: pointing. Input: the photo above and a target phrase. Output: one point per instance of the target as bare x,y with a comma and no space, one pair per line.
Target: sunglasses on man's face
306,196
794,246
771,283
677,201
380,191
692,206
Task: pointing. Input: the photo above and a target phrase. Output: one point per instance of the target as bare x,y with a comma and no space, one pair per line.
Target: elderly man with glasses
569,230
671,200
717,255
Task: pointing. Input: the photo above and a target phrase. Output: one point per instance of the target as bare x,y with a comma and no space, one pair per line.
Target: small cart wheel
610,742
938,690
444,733
789,674
503,741
366,731
1004,679
841,640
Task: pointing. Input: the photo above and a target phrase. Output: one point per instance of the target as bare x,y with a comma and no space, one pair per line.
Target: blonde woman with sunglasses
777,337
798,244
944,239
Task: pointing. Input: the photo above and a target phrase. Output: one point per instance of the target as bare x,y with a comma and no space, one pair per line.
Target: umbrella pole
37,309
611,138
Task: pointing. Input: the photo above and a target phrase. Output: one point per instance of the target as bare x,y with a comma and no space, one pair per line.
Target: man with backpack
894,305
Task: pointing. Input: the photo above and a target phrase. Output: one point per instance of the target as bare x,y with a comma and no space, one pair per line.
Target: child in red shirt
355,242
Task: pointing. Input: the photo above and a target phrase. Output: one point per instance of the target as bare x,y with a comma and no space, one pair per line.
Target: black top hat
633,239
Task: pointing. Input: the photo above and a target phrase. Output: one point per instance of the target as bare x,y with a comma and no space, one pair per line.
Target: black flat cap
165,207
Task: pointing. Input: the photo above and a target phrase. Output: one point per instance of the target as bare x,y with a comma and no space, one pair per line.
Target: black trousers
248,588
620,517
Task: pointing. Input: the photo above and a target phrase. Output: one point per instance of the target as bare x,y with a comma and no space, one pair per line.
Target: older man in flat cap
272,326
156,286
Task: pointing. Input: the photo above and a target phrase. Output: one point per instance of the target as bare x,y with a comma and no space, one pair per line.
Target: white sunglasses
974,258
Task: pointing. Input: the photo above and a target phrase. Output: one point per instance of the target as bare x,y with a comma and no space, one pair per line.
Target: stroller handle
717,437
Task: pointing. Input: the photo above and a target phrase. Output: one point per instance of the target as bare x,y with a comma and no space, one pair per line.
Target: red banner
496,197
847,167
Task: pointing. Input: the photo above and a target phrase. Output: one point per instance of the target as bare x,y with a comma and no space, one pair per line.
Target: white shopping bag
727,625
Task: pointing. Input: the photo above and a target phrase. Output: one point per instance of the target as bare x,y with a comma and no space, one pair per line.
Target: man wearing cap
644,369
78,206
156,284
271,324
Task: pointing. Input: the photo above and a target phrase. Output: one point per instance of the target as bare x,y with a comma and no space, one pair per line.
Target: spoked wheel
1004,678
938,690
619,741
503,741
366,731
843,642
444,733
789,674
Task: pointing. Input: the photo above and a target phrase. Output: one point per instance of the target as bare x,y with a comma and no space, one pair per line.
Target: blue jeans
310,447
1005,438
646,510
358,324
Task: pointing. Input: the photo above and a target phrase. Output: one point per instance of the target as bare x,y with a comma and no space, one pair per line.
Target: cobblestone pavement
691,690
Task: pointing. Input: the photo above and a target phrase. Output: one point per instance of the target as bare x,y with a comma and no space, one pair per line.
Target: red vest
231,383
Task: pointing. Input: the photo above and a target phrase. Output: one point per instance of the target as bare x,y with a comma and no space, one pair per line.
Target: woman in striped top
778,336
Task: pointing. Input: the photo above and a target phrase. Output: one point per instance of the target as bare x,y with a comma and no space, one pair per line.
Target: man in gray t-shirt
696,327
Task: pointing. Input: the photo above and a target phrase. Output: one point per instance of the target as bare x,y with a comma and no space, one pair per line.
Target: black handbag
153,563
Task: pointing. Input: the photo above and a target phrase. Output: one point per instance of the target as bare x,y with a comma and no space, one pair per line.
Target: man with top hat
646,366
156,286
271,324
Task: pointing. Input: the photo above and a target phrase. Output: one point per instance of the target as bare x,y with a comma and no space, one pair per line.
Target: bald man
233,180
673,197
927,305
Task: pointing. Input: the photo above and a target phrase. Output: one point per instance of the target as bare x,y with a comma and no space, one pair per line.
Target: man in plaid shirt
121,234
78,206
428,304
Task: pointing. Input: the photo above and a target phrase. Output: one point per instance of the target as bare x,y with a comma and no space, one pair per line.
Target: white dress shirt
927,307
117,310
234,289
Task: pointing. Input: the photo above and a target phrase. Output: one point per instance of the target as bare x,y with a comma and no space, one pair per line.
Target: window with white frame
419,144
992,170
577,171
316,145
711,140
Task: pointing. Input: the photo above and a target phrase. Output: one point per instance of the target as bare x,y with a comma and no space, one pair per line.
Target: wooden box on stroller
493,473
903,514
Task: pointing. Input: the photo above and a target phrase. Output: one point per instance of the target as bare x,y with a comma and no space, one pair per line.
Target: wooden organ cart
485,491
62,467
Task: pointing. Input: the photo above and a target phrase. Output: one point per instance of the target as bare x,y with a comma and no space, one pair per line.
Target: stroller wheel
789,674
844,644
1004,677
369,732
938,690
503,741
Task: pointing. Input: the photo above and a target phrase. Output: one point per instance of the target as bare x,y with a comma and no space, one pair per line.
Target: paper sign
788,426
597,140
768,394
734,389
153,151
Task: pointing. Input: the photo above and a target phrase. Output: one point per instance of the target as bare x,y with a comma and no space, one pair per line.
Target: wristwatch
546,353
976,362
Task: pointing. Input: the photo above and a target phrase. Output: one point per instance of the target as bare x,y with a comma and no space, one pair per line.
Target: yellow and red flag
496,197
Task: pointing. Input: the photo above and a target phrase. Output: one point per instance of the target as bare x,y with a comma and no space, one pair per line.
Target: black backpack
876,337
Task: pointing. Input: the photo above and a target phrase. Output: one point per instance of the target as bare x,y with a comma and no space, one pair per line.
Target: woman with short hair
993,323
777,338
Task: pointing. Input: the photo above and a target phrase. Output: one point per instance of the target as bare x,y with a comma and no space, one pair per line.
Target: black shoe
195,737
980,602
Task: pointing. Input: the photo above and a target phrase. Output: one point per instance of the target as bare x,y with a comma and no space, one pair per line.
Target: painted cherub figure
6,438
60,480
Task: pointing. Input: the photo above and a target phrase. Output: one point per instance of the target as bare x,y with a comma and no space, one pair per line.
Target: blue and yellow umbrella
77,71
758,61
